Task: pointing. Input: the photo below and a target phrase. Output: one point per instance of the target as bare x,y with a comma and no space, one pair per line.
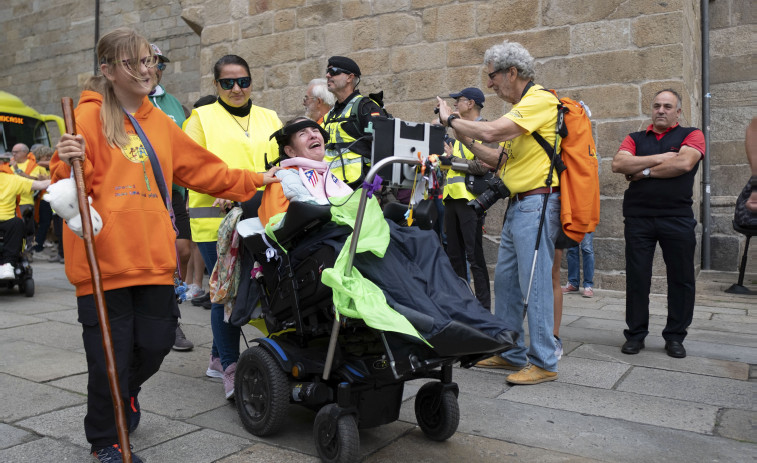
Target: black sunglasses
335,71
228,84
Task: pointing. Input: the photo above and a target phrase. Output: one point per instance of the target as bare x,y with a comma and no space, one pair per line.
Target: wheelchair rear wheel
261,392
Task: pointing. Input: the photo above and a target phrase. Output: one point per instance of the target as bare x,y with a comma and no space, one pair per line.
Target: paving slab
262,453
588,436
73,383
10,319
48,362
647,358
738,424
180,397
723,392
63,336
153,429
203,446
735,318
669,413
69,316
717,324
296,433
416,447
11,436
23,399
191,363
45,450
723,351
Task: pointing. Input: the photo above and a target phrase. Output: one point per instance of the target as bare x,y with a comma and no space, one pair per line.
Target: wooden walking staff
97,287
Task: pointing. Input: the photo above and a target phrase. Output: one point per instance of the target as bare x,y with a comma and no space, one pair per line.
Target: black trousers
465,243
13,240
677,242
143,327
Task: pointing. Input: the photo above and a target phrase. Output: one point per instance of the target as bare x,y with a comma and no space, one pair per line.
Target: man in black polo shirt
660,164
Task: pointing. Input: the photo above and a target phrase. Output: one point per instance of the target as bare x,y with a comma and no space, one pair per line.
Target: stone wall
733,54
48,47
612,54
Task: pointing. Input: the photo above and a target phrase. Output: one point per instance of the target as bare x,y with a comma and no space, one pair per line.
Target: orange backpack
578,167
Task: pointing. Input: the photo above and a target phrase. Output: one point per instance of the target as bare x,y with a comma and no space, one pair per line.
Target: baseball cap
471,93
163,58
345,63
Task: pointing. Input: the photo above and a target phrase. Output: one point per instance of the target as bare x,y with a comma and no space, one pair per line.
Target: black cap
471,93
345,63
283,136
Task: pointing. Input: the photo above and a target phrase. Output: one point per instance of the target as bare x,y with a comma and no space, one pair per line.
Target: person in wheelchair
11,226
414,274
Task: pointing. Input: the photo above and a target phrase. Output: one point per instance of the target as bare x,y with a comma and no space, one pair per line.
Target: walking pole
97,286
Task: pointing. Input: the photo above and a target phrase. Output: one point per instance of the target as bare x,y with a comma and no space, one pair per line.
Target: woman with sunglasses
137,255
237,131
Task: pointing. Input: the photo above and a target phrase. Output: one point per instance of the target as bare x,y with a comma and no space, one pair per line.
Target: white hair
511,54
320,90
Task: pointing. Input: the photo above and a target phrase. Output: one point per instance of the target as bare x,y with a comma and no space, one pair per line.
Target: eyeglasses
335,71
228,84
494,73
306,99
147,61
161,66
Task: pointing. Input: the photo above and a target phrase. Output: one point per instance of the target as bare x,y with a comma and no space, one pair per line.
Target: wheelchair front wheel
261,392
437,412
28,287
336,438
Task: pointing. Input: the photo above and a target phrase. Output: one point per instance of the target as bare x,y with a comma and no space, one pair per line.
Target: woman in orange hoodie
136,247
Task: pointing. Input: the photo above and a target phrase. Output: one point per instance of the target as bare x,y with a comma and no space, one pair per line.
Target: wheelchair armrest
300,219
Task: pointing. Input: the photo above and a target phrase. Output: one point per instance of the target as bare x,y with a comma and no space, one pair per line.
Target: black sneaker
202,301
133,412
112,454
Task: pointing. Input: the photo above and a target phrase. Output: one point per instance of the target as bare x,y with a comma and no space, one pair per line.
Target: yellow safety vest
337,153
225,139
455,186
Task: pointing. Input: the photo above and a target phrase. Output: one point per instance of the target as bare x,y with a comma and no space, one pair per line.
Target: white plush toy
63,199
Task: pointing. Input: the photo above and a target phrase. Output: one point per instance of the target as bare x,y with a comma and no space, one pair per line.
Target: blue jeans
513,273
587,252
225,335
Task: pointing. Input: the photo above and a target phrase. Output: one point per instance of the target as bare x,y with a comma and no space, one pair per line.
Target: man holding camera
524,168
463,225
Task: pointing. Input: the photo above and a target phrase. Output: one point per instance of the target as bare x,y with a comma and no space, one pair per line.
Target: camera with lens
495,191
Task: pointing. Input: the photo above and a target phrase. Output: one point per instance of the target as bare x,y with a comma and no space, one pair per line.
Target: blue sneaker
112,454
133,412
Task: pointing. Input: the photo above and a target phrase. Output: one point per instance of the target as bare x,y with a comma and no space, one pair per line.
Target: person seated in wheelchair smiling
414,274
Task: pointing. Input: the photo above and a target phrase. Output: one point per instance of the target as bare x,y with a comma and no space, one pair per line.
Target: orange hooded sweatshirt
137,243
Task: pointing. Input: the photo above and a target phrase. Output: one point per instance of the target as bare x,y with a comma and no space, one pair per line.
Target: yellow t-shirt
10,187
28,197
528,163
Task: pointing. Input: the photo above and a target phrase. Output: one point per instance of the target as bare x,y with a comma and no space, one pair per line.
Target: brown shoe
496,361
531,374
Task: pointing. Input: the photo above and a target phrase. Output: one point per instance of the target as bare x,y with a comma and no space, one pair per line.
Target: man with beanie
348,149
171,106
464,227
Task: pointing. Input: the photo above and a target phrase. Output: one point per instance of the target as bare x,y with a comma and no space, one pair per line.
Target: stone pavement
605,406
